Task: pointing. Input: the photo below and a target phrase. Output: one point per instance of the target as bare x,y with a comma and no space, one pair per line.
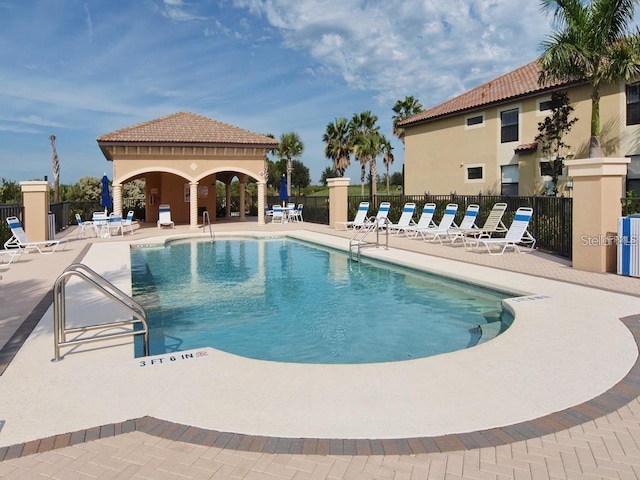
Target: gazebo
181,157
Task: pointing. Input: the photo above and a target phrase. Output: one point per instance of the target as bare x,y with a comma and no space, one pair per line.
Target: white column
193,205
227,188
117,198
261,193
241,192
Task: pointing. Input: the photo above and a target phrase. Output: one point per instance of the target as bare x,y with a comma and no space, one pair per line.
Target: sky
78,69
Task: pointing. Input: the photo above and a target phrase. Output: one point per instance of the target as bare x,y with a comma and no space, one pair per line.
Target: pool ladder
359,239
60,330
206,221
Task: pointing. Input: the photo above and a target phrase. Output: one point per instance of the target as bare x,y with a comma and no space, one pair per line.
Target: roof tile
519,82
186,127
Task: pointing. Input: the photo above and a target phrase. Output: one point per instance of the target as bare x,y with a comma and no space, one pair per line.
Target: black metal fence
551,224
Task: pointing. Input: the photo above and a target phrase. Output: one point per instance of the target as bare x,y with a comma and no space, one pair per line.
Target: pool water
287,301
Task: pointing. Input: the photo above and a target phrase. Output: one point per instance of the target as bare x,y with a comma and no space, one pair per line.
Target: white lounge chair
164,216
446,223
360,218
128,222
20,240
516,236
467,223
425,220
493,224
381,217
406,219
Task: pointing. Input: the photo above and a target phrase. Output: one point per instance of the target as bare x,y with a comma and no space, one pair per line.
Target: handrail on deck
206,220
110,291
359,238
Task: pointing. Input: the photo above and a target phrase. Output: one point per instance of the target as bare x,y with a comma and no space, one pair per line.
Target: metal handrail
205,216
359,237
110,291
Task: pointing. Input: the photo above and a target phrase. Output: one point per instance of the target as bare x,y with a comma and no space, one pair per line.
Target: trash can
629,245
52,226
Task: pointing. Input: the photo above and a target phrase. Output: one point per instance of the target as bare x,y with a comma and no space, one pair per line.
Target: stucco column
241,192
338,200
193,205
35,198
261,194
117,198
227,189
597,190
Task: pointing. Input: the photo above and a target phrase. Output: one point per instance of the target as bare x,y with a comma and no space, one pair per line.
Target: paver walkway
605,447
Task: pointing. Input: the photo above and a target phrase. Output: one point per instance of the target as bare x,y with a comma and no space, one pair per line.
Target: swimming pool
284,300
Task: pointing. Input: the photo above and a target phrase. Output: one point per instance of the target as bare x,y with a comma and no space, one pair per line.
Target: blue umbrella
283,195
105,196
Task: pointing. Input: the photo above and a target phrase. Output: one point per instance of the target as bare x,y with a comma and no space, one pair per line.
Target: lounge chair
425,220
128,222
381,217
493,224
516,236
20,240
8,256
360,218
164,217
468,223
83,225
406,219
446,223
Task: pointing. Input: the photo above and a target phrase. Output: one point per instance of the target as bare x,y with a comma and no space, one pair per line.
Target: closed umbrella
283,195
105,197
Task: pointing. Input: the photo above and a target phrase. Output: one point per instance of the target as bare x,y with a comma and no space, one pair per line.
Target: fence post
338,200
35,198
597,189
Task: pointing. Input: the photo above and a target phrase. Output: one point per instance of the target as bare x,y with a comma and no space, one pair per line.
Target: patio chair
128,222
164,216
19,239
296,213
425,220
115,224
12,254
516,236
446,223
467,223
83,225
360,218
406,219
278,214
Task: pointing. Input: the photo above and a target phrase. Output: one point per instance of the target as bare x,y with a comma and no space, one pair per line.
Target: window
509,184
633,104
509,129
544,105
546,169
474,173
477,120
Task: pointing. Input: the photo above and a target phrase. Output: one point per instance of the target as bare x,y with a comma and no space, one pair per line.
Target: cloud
178,11
89,23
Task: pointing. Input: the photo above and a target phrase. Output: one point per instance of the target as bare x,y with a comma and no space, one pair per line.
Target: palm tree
404,109
362,125
387,158
592,44
337,146
290,147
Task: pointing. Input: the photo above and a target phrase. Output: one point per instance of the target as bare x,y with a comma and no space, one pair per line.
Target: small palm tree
387,158
337,148
593,44
404,109
290,147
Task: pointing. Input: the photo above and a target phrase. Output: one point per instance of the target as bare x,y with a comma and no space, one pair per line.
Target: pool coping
620,394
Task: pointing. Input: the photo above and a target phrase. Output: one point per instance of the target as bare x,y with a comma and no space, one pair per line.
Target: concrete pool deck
567,348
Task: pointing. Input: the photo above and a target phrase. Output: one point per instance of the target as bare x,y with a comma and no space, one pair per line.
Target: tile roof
186,128
520,82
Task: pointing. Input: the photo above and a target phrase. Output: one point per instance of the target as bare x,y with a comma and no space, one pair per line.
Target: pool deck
555,396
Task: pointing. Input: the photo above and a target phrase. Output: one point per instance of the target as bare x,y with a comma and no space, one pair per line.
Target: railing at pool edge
110,291
359,237
206,220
